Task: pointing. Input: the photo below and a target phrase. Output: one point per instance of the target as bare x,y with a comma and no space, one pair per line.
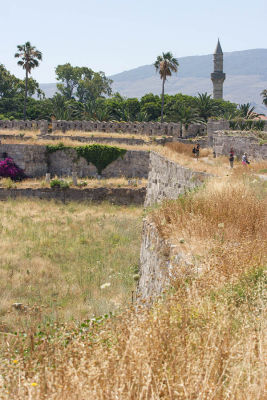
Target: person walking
231,157
245,161
197,151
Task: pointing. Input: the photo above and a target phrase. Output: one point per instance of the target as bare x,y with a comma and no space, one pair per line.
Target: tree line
84,94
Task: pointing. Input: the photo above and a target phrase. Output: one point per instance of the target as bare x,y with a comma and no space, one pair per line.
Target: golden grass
82,183
56,257
34,134
205,339
73,143
182,154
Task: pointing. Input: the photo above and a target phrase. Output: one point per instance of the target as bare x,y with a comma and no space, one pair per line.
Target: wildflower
107,284
33,384
15,361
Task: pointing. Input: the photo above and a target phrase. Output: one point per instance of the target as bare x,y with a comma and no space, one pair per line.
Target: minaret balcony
217,76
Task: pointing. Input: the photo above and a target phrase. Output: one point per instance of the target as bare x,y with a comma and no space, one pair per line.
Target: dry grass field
65,262
82,183
34,134
206,339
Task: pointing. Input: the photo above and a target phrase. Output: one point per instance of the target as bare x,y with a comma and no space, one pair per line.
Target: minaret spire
218,49
218,76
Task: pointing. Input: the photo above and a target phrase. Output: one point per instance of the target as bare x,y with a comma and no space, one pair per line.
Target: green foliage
100,155
59,183
82,83
246,124
264,97
97,154
247,112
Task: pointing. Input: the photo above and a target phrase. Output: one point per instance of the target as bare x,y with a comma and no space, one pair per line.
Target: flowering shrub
8,169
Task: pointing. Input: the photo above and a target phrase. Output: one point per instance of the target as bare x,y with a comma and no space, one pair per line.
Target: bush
59,184
98,154
8,169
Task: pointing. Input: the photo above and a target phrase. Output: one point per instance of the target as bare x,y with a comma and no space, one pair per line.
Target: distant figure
194,151
214,154
197,151
245,159
231,157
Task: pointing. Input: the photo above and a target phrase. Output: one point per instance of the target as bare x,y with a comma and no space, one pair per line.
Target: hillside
246,77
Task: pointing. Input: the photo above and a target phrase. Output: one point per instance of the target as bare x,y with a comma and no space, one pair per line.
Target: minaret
218,76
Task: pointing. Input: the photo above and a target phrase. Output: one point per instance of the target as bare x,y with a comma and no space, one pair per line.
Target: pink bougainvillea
8,169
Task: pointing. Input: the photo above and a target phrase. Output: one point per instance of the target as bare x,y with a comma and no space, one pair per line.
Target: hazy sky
117,35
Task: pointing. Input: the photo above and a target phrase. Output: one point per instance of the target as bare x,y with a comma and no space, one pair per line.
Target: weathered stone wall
168,179
214,125
31,158
134,164
223,141
160,261
143,128
120,196
154,262
35,161
194,130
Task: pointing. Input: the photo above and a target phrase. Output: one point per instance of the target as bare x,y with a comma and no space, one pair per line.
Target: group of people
245,160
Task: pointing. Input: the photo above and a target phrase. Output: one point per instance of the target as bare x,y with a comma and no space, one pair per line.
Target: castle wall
159,259
119,196
222,143
166,179
142,128
35,161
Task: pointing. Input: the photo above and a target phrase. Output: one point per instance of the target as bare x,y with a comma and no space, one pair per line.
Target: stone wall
143,128
120,196
35,161
160,261
134,164
154,262
31,158
223,141
194,130
167,179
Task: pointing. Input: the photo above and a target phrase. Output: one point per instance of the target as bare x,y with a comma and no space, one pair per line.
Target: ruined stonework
218,76
31,158
141,128
223,141
167,179
159,259
154,264
36,162
119,196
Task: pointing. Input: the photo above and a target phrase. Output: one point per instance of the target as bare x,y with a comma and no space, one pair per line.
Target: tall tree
206,106
82,83
30,58
264,96
247,111
165,65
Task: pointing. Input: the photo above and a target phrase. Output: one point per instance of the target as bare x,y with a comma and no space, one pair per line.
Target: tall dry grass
34,134
205,339
55,259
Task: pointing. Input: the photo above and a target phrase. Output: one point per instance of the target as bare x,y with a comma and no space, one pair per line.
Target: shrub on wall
98,154
8,169
246,124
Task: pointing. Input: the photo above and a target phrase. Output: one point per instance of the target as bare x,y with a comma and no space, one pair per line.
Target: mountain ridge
246,77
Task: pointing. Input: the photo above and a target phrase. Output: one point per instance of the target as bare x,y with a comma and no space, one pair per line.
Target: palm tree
205,106
187,116
165,65
30,58
264,95
247,112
